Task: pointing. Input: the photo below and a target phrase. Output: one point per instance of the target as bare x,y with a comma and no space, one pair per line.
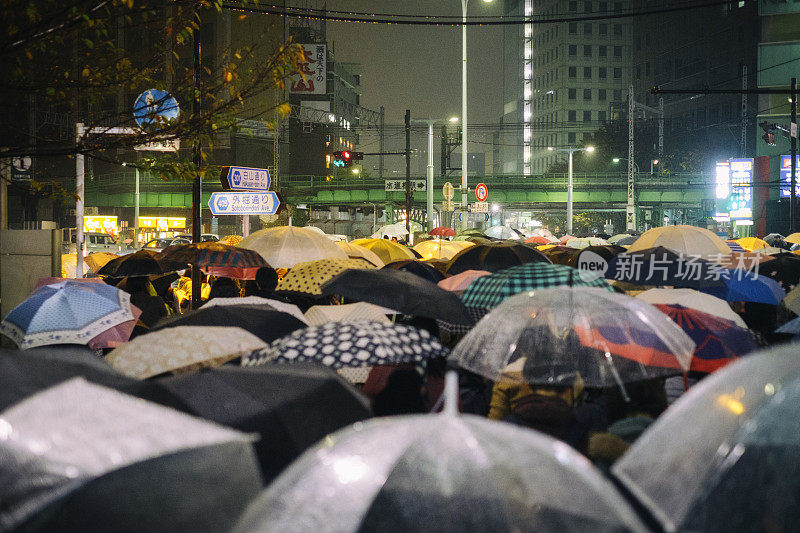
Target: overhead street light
571,151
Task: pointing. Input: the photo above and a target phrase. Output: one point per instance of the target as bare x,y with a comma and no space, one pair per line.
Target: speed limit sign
481,192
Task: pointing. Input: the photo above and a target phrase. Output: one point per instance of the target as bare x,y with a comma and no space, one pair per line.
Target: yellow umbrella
308,277
355,251
388,251
233,240
98,260
443,250
794,238
752,243
69,265
543,247
682,239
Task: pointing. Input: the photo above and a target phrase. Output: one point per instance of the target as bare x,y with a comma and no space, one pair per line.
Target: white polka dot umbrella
351,344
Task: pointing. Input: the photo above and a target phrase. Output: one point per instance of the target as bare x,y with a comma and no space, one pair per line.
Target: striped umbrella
214,258
490,291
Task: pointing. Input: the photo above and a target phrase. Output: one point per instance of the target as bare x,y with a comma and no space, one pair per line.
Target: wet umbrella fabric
608,338
307,278
358,343
285,246
68,312
682,239
741,286
783,268
81,457
724,456
490,291
290,406
442,231
718,341
661,266
401,291
269,303
494,257
418,268
440,473
214,258
137,264
262,322
385,249
460,282
694,300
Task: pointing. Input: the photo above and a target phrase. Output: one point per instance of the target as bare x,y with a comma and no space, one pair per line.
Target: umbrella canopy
688,240
585,241
614,239
724,456
401,291
585,258
794,238
69,265
98,260
717,341
626,241
307,278
316,229
555,334
489,291
24,373
560,255
736,247
360,343
261,321
81,457
285,246
138,264
418,268
662,266
783,268
460,282
538,239
752,243
398,229
322,314
502,232
277,305
443,250
355,251
494,257
388,251
117,335
440,473
182,348
792,300
694,300
214,258
442,231
233,240
742,286
67,312
291,407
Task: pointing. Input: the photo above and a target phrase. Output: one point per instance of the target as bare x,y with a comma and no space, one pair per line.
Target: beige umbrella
184,348
98,260
233,240
355,251
285,246
687,240
322,314
583,242
443,250
694,300
277,305
388,251
792,300
308,277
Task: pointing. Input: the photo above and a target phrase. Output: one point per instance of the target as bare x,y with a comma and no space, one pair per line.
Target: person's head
224,288
647,398
402,394
266,279
386,237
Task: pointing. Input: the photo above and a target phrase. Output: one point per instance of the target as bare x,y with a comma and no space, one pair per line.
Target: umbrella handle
450,394
618,378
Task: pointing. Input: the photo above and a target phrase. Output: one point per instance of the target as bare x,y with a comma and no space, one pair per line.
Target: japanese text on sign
311,74
244,203
400,185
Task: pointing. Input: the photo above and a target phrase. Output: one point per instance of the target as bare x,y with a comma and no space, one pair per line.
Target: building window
618,29
572,116
573,72
601,116
571,137
587,73
603,7
572,94
601,73
587,50
587,116
601,95
573,28
573,50
602,29
617,73
601,50
587,94
573,7
587,28
617,95
587,7
617,51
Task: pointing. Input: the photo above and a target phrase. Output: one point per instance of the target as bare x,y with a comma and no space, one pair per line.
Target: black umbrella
86,458
418,268
627,241
290,406
661,266
783,268
262,322
24,373
607,252
494,257
401,291
141,263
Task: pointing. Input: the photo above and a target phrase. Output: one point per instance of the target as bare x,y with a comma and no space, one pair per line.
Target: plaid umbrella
308,277
489,291
341,344
214,258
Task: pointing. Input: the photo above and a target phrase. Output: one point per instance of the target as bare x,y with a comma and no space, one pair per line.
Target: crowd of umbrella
237,416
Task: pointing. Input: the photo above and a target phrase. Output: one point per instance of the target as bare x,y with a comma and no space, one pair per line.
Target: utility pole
197,187
793,141
744,112
409,193
382,148
630,207
660,127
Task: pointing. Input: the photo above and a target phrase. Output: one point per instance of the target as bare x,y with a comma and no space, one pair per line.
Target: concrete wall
26,256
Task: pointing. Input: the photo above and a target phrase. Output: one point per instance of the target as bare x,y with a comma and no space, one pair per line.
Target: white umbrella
397,229
694,300
285,246
688,240
583,242
321,314
502,232
316,229
277,305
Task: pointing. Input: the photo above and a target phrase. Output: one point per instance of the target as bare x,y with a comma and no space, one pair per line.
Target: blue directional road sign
475,217
246,178
244,203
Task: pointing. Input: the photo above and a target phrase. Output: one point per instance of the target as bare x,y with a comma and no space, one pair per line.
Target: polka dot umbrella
308,277
351,344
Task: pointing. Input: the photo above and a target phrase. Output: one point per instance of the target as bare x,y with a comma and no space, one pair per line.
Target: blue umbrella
69,312
741,286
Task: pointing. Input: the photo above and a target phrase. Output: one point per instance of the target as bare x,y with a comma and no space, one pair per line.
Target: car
159,244
205,237
101,242
156,245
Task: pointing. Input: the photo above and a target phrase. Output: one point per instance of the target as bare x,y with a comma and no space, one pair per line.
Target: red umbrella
566,237
536,239
442,231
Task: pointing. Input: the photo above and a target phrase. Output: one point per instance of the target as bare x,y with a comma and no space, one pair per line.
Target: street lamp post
429,185
571,151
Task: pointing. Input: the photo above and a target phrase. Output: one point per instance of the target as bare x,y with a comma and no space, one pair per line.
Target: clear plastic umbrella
555,334
440,473
726,455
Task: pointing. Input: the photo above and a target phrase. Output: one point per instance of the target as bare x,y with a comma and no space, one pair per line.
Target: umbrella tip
450,393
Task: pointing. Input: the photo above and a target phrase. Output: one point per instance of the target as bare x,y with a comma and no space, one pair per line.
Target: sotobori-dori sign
474,217
481,192
244,203
245,178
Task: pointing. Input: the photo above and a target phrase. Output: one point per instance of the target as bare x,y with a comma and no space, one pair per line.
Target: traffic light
769,133
345,158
